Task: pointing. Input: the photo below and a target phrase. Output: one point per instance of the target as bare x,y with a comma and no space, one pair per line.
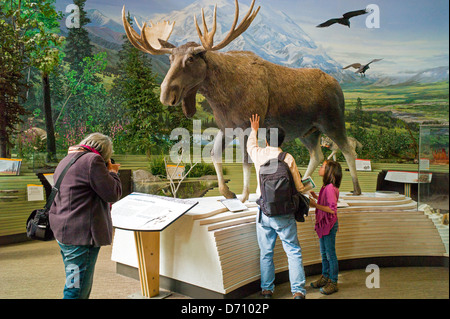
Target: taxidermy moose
237,84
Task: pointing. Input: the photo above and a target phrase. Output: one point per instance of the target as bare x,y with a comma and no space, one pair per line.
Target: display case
433,188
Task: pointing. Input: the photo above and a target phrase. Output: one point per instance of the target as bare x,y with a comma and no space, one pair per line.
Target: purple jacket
328,196
80,214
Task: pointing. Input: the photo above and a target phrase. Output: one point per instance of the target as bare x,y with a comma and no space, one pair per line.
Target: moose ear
166,44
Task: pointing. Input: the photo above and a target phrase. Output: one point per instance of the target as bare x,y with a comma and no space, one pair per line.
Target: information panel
408,177
145,212
363,165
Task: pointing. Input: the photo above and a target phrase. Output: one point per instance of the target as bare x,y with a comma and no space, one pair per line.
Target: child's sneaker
321,282
330,288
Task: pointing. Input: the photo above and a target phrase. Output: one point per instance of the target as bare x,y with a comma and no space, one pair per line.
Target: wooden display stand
147,247
146,216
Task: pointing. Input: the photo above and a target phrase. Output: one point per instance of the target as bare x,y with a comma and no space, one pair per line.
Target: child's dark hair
333,174
278,134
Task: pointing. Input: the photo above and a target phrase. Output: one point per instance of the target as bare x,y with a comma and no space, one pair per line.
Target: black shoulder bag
38,224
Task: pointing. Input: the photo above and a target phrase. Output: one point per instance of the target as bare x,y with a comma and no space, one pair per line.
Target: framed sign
424,164
145,212
175,172
10,167
363,165
35,192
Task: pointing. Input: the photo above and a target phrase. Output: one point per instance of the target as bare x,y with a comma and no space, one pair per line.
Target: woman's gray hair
101,143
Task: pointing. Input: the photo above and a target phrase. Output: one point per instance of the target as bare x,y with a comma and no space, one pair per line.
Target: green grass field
423,101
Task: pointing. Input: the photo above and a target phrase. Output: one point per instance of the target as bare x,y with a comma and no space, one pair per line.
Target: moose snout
170,95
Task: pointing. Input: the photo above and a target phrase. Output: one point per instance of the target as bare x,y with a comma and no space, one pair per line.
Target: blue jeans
267,229
79,262
330,266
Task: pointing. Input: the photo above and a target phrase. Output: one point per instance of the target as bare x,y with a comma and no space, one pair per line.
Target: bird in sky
361,69
345,20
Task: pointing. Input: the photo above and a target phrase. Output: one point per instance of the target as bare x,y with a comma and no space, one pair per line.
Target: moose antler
207,38
148,40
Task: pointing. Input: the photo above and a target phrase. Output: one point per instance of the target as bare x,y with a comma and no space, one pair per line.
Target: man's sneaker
330,288
267,294
321,282
299,295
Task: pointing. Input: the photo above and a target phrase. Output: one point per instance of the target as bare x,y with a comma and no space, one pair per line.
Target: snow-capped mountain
439,74
273,35
431,75
98,19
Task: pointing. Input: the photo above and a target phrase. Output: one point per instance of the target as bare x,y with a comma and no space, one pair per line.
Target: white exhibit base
217,250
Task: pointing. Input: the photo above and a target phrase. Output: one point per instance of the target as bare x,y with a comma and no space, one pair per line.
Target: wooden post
147,245
407,189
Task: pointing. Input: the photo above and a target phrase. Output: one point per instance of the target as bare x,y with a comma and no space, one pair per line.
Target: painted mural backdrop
391,60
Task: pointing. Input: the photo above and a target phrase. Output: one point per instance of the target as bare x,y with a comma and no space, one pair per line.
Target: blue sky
413,34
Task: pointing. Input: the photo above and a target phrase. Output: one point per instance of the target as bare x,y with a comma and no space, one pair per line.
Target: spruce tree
78,45
135,89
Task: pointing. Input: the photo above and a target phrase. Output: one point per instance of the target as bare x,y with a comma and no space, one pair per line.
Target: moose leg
312,143
216,155
246,167
350,156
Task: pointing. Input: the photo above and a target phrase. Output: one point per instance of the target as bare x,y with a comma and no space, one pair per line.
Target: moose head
188,67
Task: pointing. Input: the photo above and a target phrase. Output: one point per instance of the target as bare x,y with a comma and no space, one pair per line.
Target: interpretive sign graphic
35,192
408,177
233,205
145,212
10,166
363,165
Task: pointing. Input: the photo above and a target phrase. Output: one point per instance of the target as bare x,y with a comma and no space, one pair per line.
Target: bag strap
55,189
282,156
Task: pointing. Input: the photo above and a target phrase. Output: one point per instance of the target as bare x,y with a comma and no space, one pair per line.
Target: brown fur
238,84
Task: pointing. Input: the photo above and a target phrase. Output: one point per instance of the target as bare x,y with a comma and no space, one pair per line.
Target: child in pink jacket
327,225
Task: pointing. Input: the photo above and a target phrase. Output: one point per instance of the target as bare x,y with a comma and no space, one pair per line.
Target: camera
112,162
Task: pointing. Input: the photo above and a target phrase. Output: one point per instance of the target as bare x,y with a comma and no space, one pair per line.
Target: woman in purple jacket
327,225
80,216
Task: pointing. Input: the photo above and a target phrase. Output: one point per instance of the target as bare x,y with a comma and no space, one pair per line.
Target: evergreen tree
78,45
357,118
135,90
79,56
12,84
26,34
46,58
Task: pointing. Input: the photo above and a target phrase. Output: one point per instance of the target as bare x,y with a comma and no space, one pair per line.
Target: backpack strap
282,156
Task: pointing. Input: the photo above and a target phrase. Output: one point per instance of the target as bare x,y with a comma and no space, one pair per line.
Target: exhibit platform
211,252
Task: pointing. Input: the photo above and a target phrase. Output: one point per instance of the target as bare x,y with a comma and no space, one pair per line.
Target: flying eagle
361,68
345,20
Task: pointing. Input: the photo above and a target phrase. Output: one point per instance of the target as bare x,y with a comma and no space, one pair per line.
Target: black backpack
278,193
